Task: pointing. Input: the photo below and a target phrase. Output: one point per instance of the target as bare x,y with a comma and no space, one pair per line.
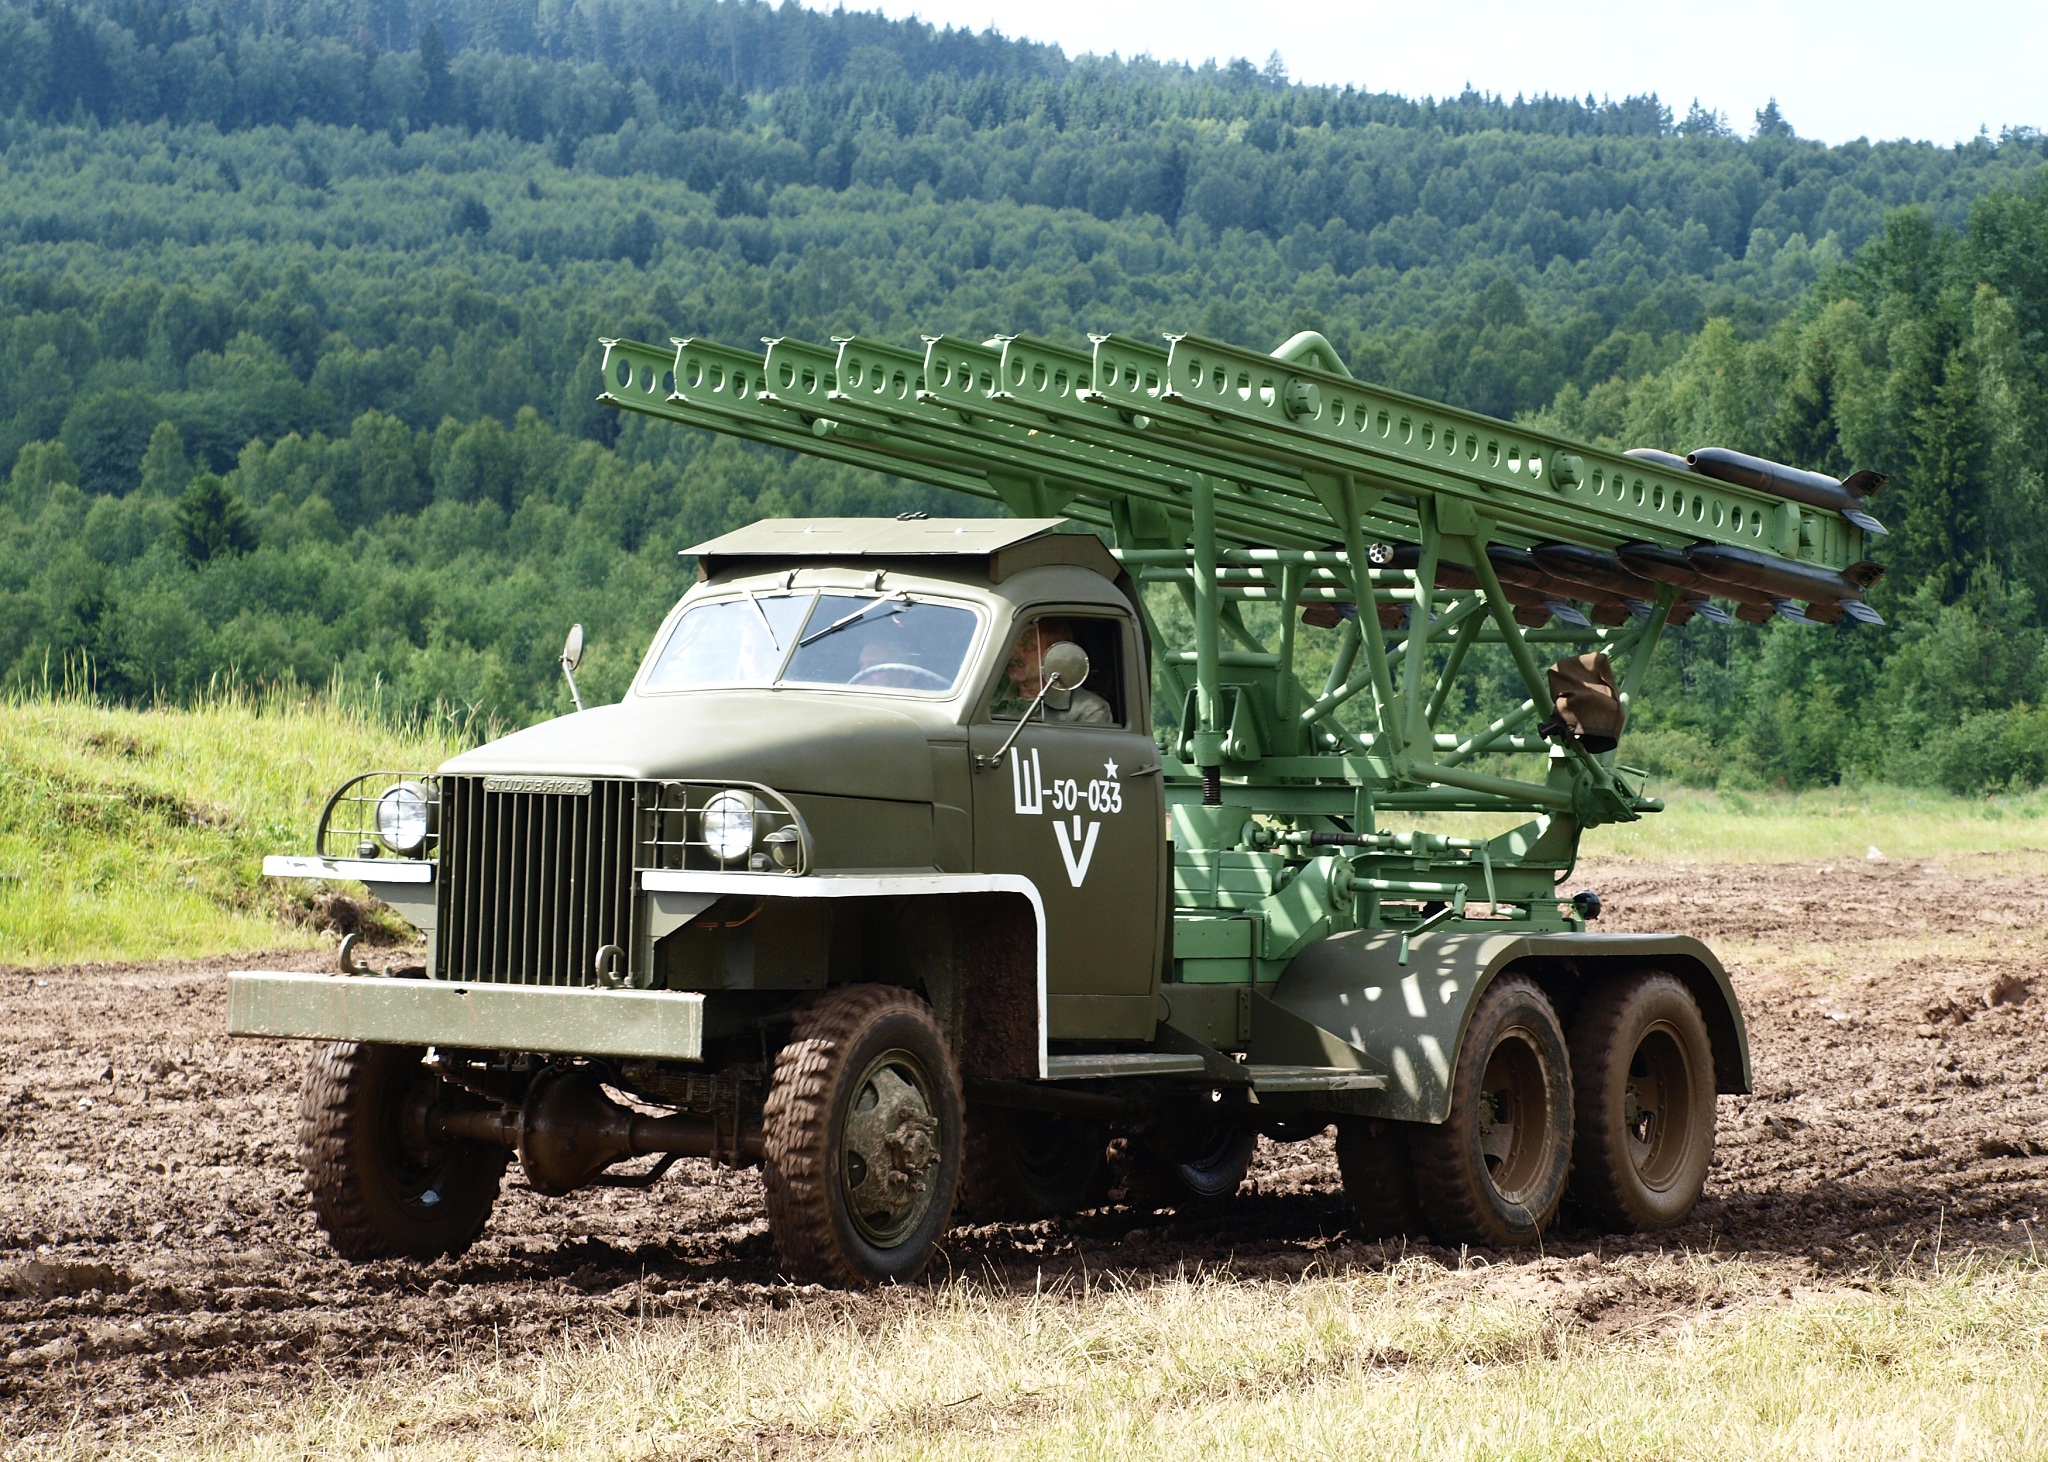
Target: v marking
1077,868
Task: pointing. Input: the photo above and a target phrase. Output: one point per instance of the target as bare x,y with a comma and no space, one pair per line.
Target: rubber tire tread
1604,1187
342,1080
798,1155
1458,1204
995,1188
1150,1179
1379,1176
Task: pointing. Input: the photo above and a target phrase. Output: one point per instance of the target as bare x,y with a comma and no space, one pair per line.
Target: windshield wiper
772,637
861,613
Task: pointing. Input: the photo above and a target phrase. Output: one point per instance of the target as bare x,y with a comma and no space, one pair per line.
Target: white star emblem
1110,767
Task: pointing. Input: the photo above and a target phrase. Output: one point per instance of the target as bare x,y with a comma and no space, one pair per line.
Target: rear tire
1643,1071
381,1187
1379,1177
1020,1166
1494,1171
862,1138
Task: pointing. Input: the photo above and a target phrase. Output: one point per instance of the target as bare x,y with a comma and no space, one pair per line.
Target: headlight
729,826
405,817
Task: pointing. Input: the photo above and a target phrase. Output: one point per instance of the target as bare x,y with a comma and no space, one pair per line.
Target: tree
165,468
1770,122
437,91
107,434
470,216
211,522
1704,122
635,238
40,467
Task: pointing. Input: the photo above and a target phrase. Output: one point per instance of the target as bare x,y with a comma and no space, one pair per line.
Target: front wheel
862,1137
1493,1172
381,1184
1643,1070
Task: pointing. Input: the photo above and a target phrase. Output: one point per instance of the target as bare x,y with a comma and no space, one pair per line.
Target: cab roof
1004,546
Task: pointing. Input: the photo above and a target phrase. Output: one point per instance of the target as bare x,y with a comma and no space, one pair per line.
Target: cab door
1077,807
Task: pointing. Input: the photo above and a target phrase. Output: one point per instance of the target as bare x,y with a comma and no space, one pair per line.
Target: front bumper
666,1025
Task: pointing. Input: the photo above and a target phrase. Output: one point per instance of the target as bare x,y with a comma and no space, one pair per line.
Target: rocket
1824,589
1669,566
1536,596
1669,461
1605,573
1815,489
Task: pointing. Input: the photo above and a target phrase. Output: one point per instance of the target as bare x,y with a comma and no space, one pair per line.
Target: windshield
880,642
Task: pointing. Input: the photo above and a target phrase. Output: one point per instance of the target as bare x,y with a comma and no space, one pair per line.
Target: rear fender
1411,1019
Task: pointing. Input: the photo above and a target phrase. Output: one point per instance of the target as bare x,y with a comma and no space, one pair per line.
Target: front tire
381,1186
1494,1171
863,1127
1643,1070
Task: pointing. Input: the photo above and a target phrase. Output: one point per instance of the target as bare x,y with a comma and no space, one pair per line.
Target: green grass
1837,822
1417,1361
141,834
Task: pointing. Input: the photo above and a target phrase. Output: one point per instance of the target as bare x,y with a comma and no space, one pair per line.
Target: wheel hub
1513,1109
1641,1120
1657,1106
890,1150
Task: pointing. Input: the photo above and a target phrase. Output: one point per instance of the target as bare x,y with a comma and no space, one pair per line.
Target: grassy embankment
1416,1361
139,835
136,835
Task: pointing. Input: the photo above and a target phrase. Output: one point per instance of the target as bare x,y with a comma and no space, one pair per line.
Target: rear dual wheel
1494,1171
1620,1115
1643,1077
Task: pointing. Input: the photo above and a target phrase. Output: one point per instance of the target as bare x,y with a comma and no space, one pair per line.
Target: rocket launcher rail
1413,531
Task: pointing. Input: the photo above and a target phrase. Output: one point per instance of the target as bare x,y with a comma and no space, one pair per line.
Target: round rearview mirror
1069,662
572,651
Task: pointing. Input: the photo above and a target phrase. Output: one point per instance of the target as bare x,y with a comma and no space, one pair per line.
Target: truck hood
824,745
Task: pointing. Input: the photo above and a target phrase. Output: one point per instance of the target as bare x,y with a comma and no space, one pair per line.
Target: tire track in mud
156,1249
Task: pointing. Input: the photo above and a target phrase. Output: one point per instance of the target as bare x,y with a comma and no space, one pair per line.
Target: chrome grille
536,877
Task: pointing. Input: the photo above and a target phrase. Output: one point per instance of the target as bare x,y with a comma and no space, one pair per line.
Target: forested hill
299,301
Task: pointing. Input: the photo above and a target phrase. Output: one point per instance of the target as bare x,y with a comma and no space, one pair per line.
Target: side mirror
1069,662
572,656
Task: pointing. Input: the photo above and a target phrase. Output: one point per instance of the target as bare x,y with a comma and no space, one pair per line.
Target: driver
1026,670
889,655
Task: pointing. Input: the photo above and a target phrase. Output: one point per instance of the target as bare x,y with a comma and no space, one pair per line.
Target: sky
1839,70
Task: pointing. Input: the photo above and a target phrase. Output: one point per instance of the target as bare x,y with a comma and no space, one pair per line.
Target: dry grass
1723,1361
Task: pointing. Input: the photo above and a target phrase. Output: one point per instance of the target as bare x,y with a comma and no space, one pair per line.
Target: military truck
927,860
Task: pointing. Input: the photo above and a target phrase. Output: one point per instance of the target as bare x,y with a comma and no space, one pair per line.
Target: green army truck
923,863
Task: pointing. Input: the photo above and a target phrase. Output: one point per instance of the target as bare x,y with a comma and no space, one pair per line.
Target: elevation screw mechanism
1586,904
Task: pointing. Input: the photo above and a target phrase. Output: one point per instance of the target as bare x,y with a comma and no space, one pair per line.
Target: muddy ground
156,1252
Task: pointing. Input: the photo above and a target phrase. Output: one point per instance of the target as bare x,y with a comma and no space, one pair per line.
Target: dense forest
299,305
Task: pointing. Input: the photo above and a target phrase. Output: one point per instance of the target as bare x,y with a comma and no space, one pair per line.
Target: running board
1267,1078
